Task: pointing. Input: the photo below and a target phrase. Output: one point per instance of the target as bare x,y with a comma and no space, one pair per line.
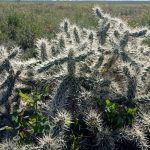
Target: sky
77,0
86,0
96,0
92,0
89,0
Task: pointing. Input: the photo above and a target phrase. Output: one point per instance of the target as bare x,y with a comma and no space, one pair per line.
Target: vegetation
30,125
86,88
23,23
116,116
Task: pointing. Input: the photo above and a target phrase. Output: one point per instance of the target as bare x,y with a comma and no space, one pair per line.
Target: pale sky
85,0
78,0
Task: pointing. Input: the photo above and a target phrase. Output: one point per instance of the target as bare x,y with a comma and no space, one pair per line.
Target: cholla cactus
93,120
109,62
50,143
8,145
12,70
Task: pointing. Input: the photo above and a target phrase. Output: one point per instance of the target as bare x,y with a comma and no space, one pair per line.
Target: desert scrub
81,66
26,38
13,23
41,16
16,27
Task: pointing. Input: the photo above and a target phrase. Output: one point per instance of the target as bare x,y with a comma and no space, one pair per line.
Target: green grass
24,22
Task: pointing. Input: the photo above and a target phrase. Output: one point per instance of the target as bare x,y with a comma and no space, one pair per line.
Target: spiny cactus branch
63,60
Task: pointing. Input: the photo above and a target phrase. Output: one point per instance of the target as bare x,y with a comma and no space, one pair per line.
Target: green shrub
3,36
117,116
26,37
147,41
30,53
13,23
30,122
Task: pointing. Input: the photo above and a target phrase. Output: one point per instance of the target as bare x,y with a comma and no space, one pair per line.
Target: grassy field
22,23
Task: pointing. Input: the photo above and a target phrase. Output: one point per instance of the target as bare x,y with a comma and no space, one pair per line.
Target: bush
29,122
13,23
26,38
117,116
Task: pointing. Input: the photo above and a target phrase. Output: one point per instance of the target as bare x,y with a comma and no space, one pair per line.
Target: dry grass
42,19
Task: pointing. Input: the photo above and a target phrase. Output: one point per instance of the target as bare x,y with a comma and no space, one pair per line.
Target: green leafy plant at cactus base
29,122
117,116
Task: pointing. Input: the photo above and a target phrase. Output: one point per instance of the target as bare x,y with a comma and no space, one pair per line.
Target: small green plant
75,135
79,134
13,23
147,41
30,122
30,53
26,37
74,141
117,116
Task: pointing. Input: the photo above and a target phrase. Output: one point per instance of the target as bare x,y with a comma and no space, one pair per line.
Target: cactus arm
5,65
138,33
63,60
102,34
142,99
60,99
